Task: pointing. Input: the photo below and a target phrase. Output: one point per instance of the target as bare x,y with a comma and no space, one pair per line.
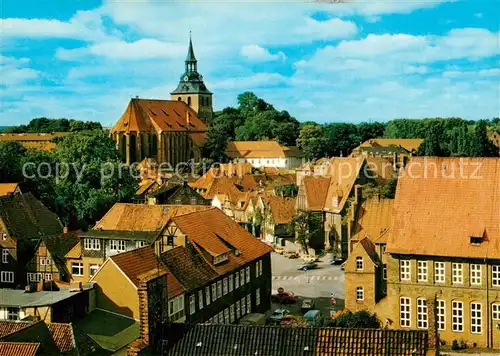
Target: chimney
358,193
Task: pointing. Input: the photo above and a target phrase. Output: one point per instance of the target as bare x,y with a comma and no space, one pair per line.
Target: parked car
253,319
290,319
307,265
337,261
279,250
278,315
283,297
310,259
291,255
307,304
314,318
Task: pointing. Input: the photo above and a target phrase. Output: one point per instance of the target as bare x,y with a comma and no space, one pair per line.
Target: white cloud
257,53
14,71
254,81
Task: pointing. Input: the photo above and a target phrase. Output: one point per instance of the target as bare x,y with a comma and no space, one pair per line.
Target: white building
264,154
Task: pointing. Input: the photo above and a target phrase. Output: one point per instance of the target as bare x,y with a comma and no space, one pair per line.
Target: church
169,131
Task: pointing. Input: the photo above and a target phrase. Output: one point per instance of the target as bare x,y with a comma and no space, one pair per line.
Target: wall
365,278
87,261
275,162
34,265
115,293
11,245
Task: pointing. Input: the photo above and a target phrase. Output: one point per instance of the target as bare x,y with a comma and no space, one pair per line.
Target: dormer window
220,258
475,240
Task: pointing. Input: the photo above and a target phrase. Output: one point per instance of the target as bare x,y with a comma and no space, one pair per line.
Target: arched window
189,101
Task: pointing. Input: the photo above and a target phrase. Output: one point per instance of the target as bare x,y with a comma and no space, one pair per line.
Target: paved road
317,284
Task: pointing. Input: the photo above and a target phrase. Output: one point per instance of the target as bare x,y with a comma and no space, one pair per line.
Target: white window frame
236,280
439,272
226,316
224,286
231,282
261,271
359,263
238,309
242,276
405,312
475,274
249,303
422,315
476,318
495,311
79,265
219,289
34,277
441,314
192,304
495,275
95,267
13,313
214,291
257,297
422,271
7,277
404,270
248,274
48,262
140,243
48,277
207,295
360,294
42,261
457,273
118,245
4,236
231,313
243,306
92,244
256,269
457,316
193,201
5,255
200,299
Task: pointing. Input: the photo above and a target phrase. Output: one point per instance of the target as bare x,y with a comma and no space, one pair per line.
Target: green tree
287,191
216,144
480,145
48,125
388,190
432,142
11,153
341,138
359,320
306,225
91,178
369,130
312,141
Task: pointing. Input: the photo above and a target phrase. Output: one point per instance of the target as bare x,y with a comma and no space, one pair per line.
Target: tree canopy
47,125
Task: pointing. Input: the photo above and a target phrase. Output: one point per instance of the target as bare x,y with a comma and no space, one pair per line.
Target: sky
324,62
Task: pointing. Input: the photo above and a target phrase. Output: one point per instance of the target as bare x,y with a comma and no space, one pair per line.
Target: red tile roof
315,190
282,209
373,219
441,202
259,149
18,348
9,327
8,188
145,115
63,336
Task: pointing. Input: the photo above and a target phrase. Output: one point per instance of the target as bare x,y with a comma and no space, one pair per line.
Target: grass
110,331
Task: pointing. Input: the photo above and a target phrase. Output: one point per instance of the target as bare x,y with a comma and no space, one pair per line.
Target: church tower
192,90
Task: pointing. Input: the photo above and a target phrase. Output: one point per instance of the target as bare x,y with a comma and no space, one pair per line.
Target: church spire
190,59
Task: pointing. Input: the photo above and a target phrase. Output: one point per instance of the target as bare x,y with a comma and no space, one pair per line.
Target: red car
283,297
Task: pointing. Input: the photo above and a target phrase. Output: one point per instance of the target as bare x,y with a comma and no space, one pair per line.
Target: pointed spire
190,56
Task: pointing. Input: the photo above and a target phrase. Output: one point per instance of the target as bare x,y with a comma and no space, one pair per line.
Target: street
317,284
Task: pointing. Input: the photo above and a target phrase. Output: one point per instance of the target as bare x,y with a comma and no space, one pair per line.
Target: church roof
192,86
190,56
152,115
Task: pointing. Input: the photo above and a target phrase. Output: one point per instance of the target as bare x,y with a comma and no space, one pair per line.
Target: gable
369,263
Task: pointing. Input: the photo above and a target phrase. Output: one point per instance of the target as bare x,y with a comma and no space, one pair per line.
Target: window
48,261
256,269
231,312
7,277
207,295
249,303
139,244
214,292
457,313
193,200
495,277
360,294
93,268
422,271
495,311
359,263
34,277
192,304
231,283
176,306
220,258
248,274
236,280
457,270
475,275
384,271
200,299
48,276
219,289
178,201
225,285
4,236
243,306
404,270
170,240
5,256
12,313
42,261
226,316
476,318
238,312
117,245
261,271
404,312
421,313
257,297
441,314
220,316
439,272
77,269
242,276
92,244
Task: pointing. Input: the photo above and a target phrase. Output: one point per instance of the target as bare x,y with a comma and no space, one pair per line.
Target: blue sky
349,62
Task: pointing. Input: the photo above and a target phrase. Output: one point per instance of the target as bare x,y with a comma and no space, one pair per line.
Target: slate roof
18,348
189,267
152,115
373,219
238,340
59,246
442,203
26,218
